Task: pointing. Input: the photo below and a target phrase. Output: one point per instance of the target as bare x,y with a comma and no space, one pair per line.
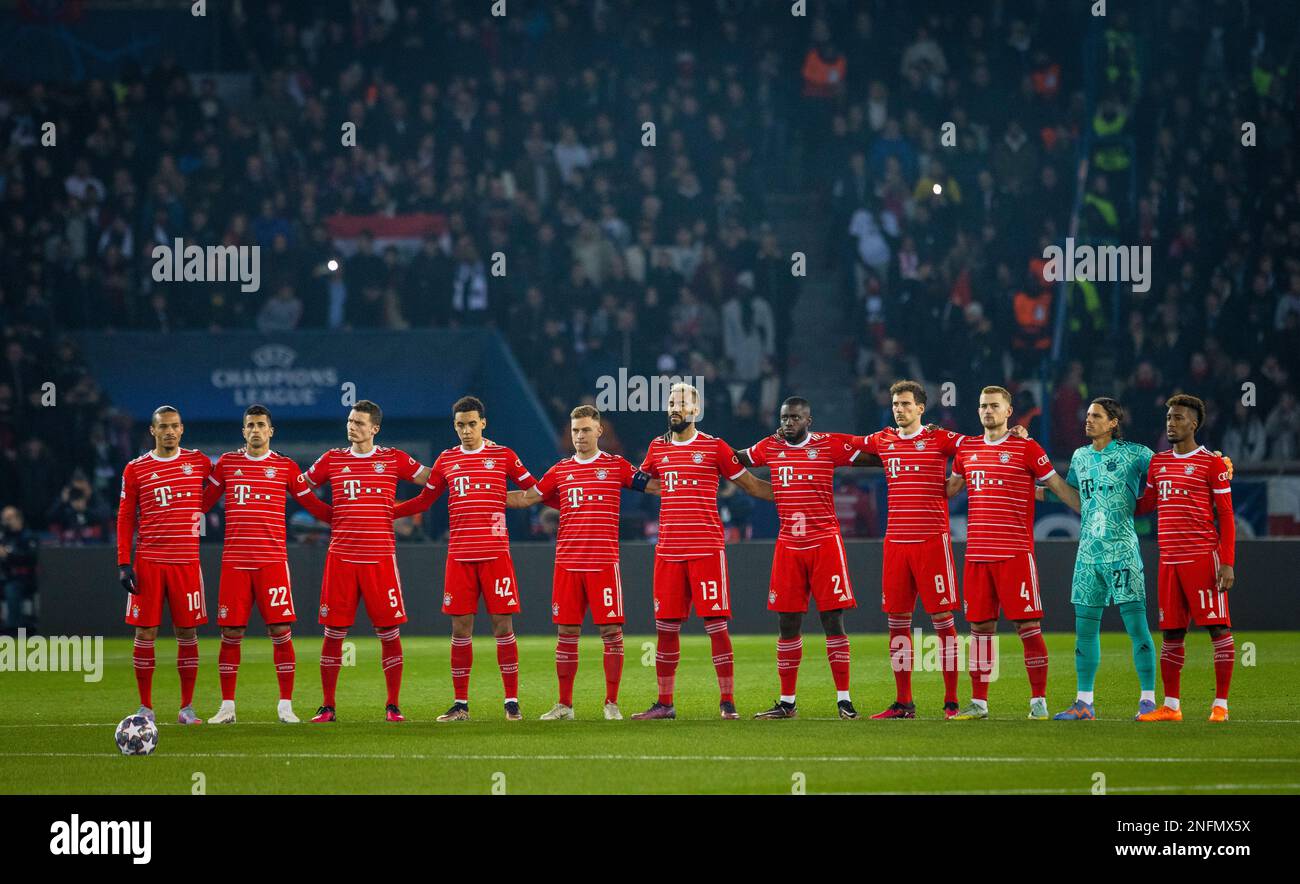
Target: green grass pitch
56,730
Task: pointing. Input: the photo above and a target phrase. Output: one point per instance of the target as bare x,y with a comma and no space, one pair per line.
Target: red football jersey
476,498
688,472
255,489
803,480
587,493
169,494
1184,485
362,489
916,472
1000,494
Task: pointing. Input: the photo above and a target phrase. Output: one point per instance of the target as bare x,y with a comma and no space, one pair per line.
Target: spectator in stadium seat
1245,440
18,575
79,516
280,313
1068,410
1282,428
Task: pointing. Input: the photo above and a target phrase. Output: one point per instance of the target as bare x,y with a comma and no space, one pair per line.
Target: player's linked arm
420,502
1068,494
519,500
754,486
955,484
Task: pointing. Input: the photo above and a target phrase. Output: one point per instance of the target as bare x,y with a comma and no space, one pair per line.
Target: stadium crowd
524,134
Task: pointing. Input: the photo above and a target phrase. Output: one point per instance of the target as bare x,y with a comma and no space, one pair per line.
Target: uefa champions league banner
303,375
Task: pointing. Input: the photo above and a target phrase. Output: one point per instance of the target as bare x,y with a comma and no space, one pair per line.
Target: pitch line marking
785,759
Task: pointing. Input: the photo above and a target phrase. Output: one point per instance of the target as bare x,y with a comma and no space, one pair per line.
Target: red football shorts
1191,592
377,584
1011,583
572,592
181,585
924,568
703,580
267,585
494,579
820,570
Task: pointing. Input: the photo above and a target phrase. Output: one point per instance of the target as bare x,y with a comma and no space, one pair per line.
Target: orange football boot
1164,713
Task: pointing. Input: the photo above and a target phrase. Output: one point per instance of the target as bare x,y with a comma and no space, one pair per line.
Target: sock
462,660
1225,654
1144,649
390,657
285,662
900,655
1087,647
843,695
724,661
187,667
228,666
837,654
566,666
508,660
331,659
981,667
1084,697
789,653
1171,669
613,664
945,627
143,660
1035,660
668,651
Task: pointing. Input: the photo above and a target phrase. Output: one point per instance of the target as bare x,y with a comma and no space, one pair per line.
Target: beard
678,426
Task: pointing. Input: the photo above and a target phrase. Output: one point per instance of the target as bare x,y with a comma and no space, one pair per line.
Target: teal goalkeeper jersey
1109,483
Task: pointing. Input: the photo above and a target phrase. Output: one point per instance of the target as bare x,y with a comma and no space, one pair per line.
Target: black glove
126,574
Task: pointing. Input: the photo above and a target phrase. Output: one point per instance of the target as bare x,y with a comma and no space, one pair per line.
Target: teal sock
1087,645
1144,649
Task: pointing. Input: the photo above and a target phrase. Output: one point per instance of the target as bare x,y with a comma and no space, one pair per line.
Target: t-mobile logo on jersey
242,493
669,480
977,479
1166,488
163,495
784,475
352,488
462,484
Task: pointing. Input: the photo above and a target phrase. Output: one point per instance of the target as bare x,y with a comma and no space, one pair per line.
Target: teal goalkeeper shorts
1099,586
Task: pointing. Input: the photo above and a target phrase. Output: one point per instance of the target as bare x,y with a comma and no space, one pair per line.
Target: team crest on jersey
1189,469
920,444
270,472
812,453
324,610
602,473
1111,466
379,467
187,468
1004,457
489,463
698,457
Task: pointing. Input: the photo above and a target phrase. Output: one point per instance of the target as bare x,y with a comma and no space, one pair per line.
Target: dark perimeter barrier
80,594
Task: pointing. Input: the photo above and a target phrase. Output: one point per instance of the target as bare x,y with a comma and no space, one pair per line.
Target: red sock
613,665
566,666
1035,660
1225,654
724,661
789,654
900,655
143,660
462,660
508,660
837,653
946,628
228,665
187,667
980,665
390,657
668,651
285,662
1171,666
331,659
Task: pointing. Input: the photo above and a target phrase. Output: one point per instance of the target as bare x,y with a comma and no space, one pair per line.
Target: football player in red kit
255,482
166,487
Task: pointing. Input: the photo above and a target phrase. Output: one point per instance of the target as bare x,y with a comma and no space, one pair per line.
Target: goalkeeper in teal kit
1109,474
